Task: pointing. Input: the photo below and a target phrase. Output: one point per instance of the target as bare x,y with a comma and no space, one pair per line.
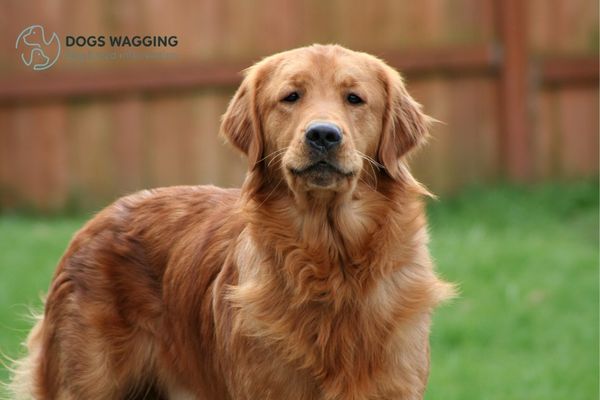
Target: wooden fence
515,82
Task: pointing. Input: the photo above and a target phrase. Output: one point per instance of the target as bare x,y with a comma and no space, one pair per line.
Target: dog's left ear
240,124
404,126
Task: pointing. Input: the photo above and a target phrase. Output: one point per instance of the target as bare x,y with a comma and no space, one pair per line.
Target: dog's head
317,116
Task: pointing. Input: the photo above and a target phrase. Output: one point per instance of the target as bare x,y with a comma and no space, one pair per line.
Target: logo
36,52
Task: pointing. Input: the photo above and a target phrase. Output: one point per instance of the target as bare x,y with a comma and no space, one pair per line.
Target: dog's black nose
323,136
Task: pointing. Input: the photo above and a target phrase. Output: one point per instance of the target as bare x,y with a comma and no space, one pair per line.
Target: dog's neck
343,238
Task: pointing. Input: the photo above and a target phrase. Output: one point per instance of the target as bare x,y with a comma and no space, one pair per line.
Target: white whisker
372,165
371,160
274,154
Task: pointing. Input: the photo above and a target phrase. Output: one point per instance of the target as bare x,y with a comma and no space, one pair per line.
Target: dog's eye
291,98
354,99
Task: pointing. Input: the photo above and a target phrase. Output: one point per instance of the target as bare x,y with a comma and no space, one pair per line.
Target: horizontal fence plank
576,70
74,84
36,86
464,60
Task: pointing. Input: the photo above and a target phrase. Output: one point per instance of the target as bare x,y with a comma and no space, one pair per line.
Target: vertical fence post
514,119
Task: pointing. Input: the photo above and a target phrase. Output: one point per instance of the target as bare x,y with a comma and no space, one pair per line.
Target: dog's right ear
240,124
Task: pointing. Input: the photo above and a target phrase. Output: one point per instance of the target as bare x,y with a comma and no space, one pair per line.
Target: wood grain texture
100,129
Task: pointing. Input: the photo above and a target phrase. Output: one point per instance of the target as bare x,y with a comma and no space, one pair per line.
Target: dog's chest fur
333,320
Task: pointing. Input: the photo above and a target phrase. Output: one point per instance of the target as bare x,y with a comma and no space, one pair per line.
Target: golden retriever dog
312,281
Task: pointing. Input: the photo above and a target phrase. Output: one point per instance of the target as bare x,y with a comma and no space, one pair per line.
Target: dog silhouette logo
35,51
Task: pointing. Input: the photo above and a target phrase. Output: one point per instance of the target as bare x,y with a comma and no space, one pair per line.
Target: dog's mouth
321,174
321,167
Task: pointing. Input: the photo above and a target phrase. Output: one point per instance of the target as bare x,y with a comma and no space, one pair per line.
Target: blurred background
515,161
515,83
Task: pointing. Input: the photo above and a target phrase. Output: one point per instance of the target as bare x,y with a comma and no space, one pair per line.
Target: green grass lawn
526,260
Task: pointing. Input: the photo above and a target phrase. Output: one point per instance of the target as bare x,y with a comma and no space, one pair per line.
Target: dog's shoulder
177,198
153,222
